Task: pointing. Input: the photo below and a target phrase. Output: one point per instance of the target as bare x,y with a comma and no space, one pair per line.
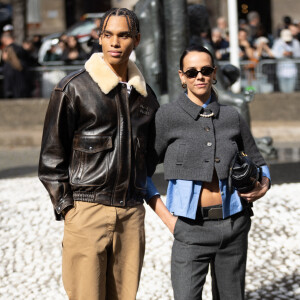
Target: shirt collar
194,110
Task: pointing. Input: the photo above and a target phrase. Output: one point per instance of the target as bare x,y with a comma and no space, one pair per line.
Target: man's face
216,37
117,42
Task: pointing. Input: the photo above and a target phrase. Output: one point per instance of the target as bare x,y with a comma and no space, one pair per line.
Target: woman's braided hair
131,18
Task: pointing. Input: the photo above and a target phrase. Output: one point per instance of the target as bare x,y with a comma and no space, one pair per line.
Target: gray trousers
198,243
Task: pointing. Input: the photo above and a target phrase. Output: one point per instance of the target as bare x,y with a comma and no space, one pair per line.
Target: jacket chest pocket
140,169
90,159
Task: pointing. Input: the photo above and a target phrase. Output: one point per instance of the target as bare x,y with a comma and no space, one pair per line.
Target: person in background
254,25
37,42
243,25
62,45
196,139
73,51
15,68
220,45
8,28
52,54
262,49
262,45
223,27
286,22
295,30
93,42
246,50
285,49
32,54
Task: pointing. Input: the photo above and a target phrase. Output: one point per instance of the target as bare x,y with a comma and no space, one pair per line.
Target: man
93,162
285,49
220,45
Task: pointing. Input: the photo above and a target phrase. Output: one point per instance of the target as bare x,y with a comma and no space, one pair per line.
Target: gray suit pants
198,243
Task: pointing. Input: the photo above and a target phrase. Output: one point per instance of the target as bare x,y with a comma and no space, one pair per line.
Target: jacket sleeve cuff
151,190
63,203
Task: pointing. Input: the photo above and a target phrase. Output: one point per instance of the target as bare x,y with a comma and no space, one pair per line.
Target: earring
214,81
184,85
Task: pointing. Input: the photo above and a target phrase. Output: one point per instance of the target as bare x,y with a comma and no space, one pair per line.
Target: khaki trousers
103,251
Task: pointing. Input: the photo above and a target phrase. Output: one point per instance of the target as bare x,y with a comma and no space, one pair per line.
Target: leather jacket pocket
140,174
89,165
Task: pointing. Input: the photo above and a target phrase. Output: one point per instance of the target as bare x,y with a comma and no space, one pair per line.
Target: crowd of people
68,49
255,43
16,60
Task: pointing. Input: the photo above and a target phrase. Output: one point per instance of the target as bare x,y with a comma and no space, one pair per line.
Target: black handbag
243,173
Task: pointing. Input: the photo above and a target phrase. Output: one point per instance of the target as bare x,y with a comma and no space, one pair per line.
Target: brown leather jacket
97,140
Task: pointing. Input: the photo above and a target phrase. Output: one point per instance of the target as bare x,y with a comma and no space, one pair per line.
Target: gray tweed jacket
191,146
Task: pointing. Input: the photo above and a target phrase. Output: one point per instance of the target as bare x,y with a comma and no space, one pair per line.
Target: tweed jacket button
207,128
209,144
217,160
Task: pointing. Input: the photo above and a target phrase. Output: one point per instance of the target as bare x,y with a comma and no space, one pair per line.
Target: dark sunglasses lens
192,73
207,71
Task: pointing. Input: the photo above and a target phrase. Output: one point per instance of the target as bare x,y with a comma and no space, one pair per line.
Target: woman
197,138
73,50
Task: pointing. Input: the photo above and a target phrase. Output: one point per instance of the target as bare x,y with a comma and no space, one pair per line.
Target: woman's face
72,42
200,86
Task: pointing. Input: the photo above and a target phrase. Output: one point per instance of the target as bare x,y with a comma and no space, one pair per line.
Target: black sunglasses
193,73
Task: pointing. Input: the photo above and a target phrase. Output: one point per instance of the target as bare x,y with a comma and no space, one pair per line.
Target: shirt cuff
266,173
151,189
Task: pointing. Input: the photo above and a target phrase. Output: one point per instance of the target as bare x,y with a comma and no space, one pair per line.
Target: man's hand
259,190
66,210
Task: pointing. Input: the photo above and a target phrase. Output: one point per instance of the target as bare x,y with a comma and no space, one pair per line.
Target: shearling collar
107,79
193,109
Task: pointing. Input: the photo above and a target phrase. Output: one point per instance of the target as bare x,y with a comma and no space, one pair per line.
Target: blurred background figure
93,42
254,25
223,27
295,30
31,51
62,45
55,52
243,25
286,22
220,45
73,51
15,68
262,48
286,48
262,45
246,50
8,28
247,53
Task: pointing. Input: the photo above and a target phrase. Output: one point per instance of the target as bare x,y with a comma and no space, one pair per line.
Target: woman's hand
259,190
171,223
161,210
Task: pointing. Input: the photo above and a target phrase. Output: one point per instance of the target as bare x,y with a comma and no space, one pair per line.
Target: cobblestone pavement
30,250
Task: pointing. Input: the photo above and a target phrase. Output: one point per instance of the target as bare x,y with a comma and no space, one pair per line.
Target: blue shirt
183,195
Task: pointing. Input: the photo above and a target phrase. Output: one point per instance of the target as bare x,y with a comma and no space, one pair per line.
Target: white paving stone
30,249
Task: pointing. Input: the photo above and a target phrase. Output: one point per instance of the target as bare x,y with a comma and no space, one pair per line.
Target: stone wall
275,114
